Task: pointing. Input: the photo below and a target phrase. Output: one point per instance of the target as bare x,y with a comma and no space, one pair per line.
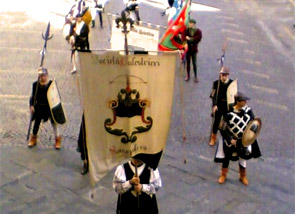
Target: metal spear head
46,36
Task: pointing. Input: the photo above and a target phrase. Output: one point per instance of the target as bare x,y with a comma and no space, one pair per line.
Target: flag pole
124,21
182,70
189,13
137,195
181,73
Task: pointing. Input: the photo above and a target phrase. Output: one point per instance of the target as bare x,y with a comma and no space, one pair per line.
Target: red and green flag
171,41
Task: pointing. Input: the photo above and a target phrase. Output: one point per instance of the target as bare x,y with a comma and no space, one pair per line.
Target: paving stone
103,197
170,203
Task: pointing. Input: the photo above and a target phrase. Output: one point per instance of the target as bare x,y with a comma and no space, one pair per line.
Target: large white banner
127,102
140,36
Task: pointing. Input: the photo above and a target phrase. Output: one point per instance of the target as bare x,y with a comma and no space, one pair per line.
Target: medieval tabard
42,110
128,203
237,122
195,37
218,96
81,36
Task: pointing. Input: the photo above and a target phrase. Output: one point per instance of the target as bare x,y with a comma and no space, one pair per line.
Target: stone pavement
42,180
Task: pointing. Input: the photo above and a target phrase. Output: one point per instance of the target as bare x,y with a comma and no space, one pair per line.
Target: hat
241,97
224,70
192,21
42,71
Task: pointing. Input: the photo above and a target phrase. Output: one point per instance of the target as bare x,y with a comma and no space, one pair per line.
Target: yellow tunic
87,17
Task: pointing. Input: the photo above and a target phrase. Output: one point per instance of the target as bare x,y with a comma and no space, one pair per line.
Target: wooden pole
124,20
222,58
125,31
137,195
45,37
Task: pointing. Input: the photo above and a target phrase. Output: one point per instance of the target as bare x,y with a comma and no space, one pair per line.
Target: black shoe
93,24
84,169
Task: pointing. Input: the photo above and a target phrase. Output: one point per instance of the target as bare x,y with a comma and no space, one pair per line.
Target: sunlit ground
41,11
55,10
194,7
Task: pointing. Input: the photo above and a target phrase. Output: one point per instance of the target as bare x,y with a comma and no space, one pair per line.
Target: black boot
93,24
85,168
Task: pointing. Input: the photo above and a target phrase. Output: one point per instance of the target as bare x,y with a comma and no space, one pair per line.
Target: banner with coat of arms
127,102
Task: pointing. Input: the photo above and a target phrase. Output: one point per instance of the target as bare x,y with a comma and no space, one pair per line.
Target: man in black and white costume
40,109
79,38
136,193
76,28
232,148
219,100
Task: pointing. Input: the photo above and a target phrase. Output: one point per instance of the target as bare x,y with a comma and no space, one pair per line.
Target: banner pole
124,20
181,71
137,195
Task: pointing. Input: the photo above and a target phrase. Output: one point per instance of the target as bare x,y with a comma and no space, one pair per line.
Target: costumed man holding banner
76,29
127,103
39,107
239,138
78,9
136,185
192,35
79,38
80,35
219,100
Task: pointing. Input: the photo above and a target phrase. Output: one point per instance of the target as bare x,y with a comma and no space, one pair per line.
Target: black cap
241,97
193,21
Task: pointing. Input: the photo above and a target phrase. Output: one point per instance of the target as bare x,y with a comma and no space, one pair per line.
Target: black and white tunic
218,94
237,121
39,100
81,36
127,200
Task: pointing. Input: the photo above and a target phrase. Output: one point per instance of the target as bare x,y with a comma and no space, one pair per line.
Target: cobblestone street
260,54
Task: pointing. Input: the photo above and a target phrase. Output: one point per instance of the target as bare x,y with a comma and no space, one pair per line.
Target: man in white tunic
136,188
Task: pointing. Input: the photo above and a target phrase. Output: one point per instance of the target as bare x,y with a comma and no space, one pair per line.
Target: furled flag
176,8
127,102
171,41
